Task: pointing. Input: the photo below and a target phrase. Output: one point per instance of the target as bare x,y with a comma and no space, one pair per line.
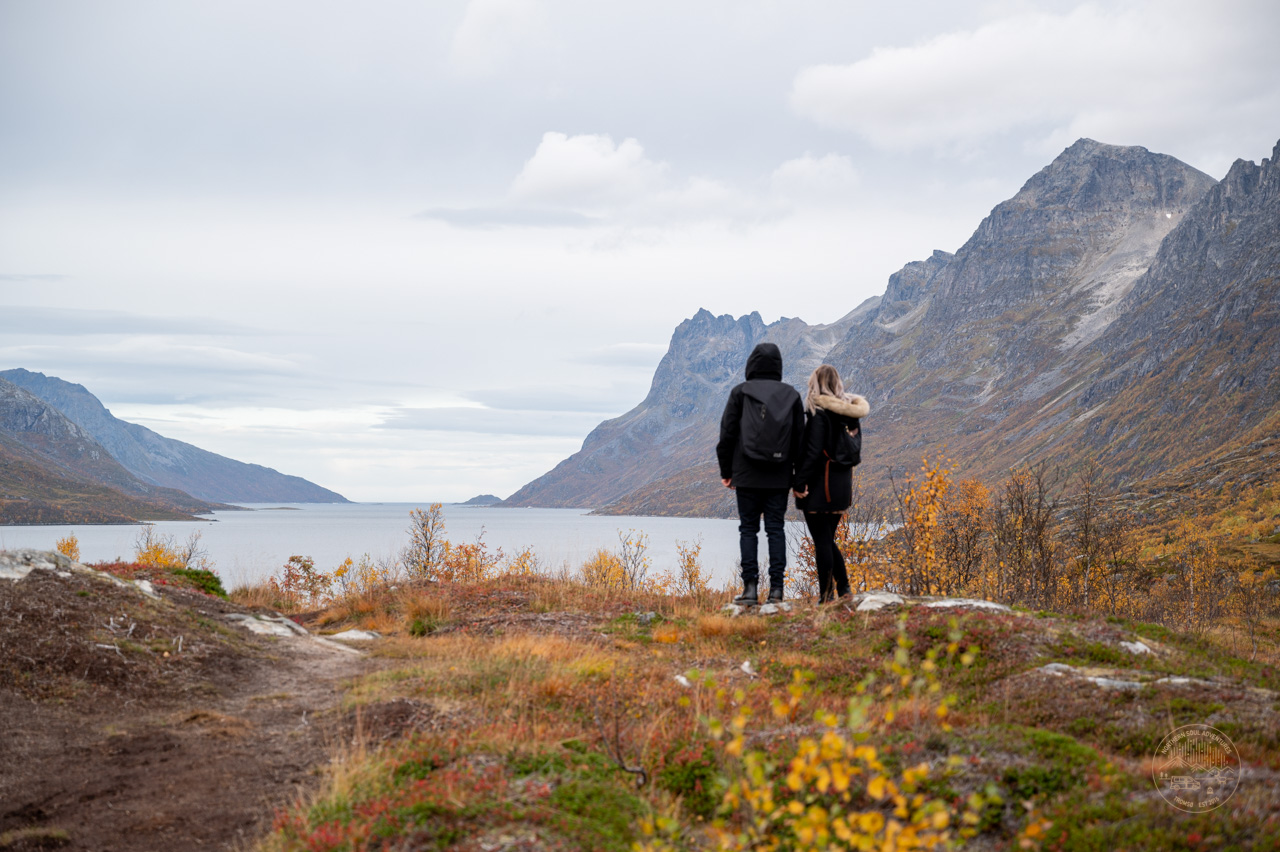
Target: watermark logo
1196,768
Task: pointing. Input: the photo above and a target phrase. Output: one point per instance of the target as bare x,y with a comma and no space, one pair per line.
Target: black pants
826,556
772,504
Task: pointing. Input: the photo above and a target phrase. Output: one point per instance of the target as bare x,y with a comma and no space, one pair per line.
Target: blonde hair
826,380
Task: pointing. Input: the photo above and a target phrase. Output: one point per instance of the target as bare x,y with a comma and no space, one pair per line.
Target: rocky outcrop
163,461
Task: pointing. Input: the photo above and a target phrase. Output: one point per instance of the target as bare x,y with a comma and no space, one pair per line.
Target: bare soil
116,737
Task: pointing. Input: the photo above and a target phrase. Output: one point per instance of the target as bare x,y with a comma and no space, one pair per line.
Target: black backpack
765,429
844,443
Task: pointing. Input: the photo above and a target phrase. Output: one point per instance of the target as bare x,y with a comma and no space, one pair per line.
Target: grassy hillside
521,711
533,713
35,493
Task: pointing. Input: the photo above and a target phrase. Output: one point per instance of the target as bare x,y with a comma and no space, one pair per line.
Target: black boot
775,593
750,594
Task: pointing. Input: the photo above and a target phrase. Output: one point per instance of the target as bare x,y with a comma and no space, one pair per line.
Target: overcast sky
417,250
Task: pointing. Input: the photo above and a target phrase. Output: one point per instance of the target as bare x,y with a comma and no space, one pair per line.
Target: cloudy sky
416,250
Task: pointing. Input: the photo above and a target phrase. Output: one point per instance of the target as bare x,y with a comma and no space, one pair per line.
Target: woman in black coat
824,475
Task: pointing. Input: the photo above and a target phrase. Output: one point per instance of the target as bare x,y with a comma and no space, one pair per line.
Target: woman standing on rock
824,474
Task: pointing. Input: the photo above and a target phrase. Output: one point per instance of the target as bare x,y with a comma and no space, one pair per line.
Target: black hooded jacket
764,381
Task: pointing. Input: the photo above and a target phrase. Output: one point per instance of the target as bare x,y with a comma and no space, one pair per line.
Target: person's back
760,438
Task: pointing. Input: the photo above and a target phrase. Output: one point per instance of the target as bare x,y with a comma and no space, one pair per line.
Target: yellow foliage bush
603,570
162,551
835,792
69,547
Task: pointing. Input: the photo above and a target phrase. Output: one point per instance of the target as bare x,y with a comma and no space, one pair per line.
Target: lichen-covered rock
16,564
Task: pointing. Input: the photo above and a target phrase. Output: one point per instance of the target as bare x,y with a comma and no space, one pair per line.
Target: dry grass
544,672
42,837
263,594
716,626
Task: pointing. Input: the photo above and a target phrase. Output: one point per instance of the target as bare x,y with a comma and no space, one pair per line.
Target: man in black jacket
761,484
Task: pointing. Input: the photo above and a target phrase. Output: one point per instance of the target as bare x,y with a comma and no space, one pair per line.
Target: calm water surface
249,546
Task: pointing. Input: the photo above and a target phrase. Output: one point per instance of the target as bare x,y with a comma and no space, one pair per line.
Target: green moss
204,580
1076,651
1116,821
1184,711
425,625
1029,782
694,776
603,813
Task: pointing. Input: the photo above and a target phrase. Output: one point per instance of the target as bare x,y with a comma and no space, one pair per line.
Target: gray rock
268,625
16,564
356,636
876,601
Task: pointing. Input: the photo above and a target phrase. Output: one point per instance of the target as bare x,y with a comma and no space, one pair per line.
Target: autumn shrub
834,790
914,551
689,579
523,563
163,551
302,584
469,562
364,577
963,538
603,570
1255,598
69,547
623,570
188,562
425,551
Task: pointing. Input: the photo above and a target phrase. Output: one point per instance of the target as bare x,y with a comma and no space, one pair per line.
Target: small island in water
483,500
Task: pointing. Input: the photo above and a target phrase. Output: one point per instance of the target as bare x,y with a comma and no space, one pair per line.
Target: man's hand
800,494
727,483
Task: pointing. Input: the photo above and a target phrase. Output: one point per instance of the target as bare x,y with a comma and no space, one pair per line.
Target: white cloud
587,173
831,178
492,32
591,177
1135,73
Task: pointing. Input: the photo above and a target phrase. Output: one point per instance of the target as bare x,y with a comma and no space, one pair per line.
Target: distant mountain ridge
164,461
1122,304
52,471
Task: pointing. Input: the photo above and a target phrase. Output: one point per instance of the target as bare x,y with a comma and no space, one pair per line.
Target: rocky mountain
165,462
672,429
53,471
1122,304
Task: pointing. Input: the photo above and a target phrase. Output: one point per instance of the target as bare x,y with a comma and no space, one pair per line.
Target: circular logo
1196,768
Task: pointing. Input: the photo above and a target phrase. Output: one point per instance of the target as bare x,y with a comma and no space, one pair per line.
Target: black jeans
772,504
826,556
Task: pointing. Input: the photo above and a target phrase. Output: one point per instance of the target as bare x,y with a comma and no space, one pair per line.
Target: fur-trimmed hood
851,406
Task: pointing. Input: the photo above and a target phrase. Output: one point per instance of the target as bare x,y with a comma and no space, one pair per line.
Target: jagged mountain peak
1091,177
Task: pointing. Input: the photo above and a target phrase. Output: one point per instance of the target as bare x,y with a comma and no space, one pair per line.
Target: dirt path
202,771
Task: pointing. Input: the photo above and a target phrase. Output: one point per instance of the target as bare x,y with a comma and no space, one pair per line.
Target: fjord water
247,546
